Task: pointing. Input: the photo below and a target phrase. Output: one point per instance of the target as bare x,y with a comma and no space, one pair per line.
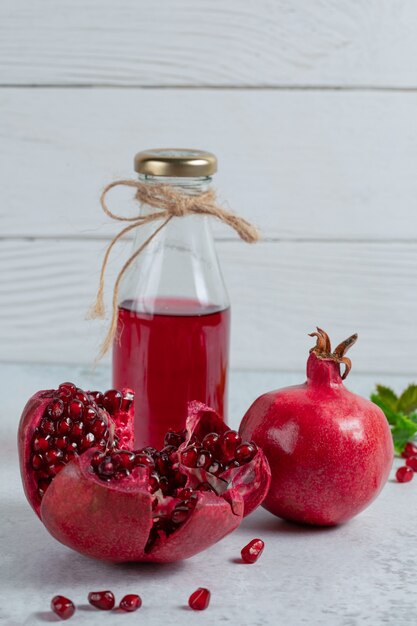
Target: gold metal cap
175,162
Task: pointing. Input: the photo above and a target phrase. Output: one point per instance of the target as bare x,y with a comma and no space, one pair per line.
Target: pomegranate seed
144,459
245,452
101,600
131,602
106,467
61,442
41,444
78,429
47,426
37,461
81,396
97,397
124,459
164,485
96,459
204,459
63,607
52,455
199,600
185,493
410,449
76,409
127,401
154,483
173,439
252,551
64,426
90,413
68,387
229,441
98,428
56,409
215,468
112,400
86,441
211,443
189,456
162,463
404,474
412,462
68,456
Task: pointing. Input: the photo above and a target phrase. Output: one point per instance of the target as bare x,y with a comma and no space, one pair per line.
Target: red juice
175,354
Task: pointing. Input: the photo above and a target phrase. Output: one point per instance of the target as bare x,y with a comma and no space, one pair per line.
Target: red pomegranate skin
330,451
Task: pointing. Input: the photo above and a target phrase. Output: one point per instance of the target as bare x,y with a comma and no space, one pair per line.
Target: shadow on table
264,522
35,559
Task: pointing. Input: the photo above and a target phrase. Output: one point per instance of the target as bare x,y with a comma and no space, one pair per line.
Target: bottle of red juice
172,339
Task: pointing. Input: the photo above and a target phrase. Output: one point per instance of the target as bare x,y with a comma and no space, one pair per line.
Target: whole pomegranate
330,451
98,496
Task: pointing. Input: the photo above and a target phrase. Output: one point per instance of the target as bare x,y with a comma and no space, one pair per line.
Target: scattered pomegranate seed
102,600
412,462
252,551
404,474
199,600
410,449
131,602
63,607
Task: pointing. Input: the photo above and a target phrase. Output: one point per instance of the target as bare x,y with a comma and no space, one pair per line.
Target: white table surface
362,573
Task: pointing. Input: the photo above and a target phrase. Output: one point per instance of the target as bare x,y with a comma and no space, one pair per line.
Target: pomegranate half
98,496
330,450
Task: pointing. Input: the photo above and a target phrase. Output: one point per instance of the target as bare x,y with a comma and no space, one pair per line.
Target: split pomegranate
131,602
330,451
98,496
199,600
103,600
252,551
63,607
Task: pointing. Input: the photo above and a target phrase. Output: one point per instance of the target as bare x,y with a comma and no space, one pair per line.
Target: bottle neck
194,185
180,261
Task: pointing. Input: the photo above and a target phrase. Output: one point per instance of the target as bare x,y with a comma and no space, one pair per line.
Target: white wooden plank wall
311,108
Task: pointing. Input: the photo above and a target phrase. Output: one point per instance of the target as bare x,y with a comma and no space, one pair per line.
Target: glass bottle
172,339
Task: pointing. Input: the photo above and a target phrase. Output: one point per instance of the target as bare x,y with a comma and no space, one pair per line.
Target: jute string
169,203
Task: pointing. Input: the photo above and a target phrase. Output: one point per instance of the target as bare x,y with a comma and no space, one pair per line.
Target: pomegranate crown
323,349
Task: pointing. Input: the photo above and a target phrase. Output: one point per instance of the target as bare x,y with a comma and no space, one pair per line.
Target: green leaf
392,416
403,431
388,397
407,402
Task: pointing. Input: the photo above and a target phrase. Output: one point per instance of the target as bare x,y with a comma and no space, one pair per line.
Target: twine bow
169,203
